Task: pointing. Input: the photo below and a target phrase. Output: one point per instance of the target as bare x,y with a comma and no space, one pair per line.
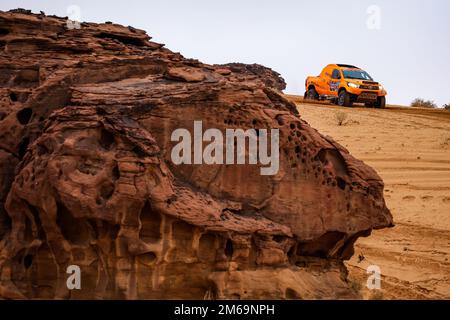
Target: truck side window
336,74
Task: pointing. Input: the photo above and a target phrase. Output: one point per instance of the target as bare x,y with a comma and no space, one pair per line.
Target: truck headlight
353,85
380,87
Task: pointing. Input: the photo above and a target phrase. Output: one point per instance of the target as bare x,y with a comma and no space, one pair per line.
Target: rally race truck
345,84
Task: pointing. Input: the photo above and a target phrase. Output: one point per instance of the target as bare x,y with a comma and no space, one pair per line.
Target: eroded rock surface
86,176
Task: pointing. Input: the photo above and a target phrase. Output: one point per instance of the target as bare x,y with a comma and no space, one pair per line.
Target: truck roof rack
346,66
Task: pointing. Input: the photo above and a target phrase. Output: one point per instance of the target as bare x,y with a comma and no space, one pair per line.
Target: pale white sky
409,53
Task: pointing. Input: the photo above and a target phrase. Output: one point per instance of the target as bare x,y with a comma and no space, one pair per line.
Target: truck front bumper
361,95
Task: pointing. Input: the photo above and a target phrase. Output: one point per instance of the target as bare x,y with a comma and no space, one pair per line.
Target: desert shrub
421,103
355,285
341,117
446,106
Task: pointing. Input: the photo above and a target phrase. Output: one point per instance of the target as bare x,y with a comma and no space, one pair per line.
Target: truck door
334,83
323,86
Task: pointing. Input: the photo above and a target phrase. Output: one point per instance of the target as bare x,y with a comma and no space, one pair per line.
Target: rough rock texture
86,177
270,78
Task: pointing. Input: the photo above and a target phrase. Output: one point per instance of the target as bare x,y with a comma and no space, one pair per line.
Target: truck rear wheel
381,102
312,94
344,99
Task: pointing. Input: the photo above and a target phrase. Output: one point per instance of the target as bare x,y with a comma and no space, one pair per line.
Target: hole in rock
147,258
347,250
101,111
291,252
115,172
107,190
23,146
106,139
42,149
95,226
4,32
13,97
321,246
229,249
73,229
278,238
139,152
292,294
28,261
280,120
341,183
24,115
150,224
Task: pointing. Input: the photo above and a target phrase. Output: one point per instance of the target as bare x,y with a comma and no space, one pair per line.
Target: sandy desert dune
410,150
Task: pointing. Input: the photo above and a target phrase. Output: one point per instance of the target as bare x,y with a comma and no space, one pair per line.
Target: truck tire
381,102
344,99
312,94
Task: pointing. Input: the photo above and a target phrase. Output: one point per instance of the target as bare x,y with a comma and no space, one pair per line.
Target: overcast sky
403,44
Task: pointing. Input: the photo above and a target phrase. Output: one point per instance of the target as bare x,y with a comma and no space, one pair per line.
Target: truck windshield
356,74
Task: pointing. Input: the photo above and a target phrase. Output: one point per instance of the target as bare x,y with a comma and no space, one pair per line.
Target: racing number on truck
334,85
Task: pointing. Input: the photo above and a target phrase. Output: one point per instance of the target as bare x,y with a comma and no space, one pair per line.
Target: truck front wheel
381,102
344,99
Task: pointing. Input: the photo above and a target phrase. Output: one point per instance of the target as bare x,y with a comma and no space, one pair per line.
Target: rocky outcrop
269,77
86,176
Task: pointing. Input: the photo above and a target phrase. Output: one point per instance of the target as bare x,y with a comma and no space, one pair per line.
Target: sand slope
410,149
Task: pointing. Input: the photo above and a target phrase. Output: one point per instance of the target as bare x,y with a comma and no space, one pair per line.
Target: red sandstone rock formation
86,176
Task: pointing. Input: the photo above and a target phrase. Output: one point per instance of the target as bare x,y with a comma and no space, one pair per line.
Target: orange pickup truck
345,84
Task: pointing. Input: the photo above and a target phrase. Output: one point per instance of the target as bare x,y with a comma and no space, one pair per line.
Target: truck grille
370,82
368,87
